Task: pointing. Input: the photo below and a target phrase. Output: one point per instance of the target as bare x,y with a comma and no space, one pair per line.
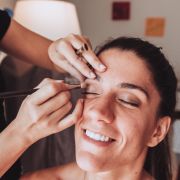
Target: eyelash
123,101
130,103
84,93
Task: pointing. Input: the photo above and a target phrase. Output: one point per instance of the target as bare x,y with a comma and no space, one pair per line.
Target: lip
97,143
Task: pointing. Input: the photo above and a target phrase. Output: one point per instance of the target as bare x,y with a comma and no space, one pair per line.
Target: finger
72,118
62,63
78,110
68,52
57,115
55,103
46,92
92,59
77,42
87,41
57,51
65,65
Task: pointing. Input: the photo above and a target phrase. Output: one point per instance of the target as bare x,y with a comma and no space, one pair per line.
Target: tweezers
13,94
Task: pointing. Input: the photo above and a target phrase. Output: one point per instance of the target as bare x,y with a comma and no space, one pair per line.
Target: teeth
97,137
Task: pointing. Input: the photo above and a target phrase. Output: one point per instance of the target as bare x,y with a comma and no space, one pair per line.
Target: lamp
50,18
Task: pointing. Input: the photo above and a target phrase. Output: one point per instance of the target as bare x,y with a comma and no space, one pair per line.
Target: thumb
78,110
72,118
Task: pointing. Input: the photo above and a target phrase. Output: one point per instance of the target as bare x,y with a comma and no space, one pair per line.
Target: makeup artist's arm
40,115
33,48
26,45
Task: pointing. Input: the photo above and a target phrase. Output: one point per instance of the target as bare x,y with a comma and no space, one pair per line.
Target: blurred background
99,20
96,22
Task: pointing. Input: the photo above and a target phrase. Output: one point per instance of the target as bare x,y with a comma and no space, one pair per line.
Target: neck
133,171
117,176
130,172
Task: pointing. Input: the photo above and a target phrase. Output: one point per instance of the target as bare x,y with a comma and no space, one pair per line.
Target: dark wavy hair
158,160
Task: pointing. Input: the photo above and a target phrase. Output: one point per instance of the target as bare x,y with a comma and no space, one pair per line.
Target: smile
97,137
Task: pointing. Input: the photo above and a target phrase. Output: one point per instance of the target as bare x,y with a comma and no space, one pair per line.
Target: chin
88,162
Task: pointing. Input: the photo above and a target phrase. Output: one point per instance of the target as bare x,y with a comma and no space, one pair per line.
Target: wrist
19,134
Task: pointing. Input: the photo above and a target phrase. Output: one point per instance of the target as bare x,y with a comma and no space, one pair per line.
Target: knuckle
65,97
34,112
53,87
61,44
86,39
67,107
84,67
35,115
49,123
29,102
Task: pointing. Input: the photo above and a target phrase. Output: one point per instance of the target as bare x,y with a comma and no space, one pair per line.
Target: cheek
88,104
134,125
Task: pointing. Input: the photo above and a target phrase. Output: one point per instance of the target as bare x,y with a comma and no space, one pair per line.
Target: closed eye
90,93
134,104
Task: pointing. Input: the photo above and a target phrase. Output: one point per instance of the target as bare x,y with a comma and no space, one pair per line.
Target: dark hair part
158,160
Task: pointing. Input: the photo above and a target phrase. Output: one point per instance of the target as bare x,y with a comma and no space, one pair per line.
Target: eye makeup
129,102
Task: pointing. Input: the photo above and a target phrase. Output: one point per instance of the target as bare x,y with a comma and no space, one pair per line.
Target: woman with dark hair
128,111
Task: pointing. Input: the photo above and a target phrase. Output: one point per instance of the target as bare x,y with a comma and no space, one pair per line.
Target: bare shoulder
70,170
65,172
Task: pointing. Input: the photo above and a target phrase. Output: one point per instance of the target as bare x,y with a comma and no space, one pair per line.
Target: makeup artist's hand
64,54
42,113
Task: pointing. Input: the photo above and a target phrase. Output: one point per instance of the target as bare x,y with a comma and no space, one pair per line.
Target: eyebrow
128,86
134,86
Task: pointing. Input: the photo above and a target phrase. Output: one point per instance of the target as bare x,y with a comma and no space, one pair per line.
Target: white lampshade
50,18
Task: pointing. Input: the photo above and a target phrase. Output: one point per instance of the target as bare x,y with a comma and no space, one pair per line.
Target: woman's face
119,114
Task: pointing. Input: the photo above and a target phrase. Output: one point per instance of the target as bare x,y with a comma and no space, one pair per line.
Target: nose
101,110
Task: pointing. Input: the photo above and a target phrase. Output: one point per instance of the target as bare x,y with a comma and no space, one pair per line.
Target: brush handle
12,94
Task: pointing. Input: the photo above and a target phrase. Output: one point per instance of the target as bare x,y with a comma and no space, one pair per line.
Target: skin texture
126,114
121,103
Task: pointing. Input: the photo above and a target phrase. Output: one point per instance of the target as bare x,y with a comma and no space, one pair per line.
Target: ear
160,131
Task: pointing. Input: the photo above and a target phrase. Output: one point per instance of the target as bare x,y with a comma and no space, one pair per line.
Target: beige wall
96,23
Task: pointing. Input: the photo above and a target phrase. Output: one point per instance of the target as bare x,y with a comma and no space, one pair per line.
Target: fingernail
92,75
102,67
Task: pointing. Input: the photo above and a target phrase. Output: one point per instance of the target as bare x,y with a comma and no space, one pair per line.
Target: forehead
125,70
124,66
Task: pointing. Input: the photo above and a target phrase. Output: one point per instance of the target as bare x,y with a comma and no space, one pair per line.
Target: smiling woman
128,110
